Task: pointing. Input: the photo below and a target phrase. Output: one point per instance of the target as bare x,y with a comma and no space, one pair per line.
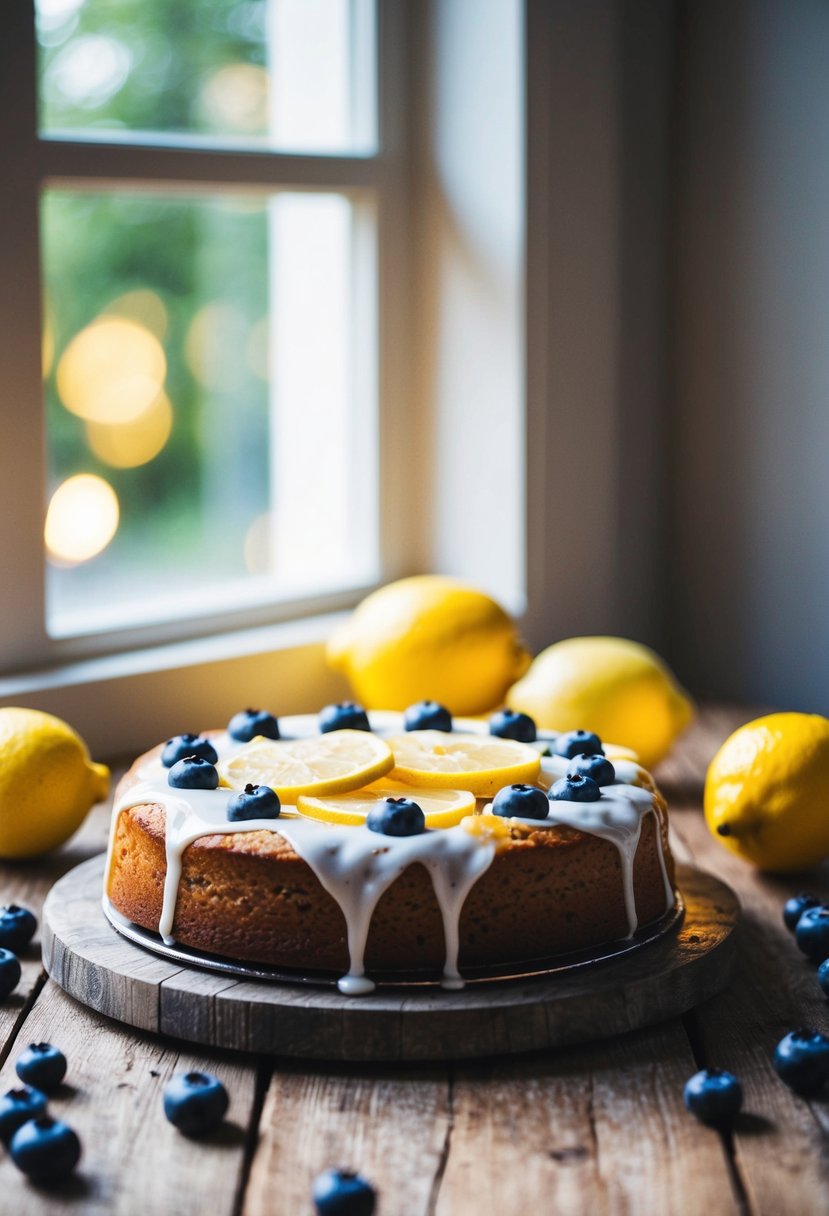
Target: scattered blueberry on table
249,723
17,927
812,933
9,973
177,748
511,724
254,802
521,802
801,1060
42,1066
396,817
344,715
596,766
794,908
45,1149
195,1102
578,743
823,977
193,773
427,715
343,1193
713,1095
575,788
18,1106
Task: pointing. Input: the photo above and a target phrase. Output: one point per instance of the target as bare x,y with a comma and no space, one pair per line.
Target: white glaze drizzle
353,864
356,866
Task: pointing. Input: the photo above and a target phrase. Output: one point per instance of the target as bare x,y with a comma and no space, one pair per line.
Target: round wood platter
85,955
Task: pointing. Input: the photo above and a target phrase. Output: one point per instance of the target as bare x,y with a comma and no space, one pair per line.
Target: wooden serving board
85,955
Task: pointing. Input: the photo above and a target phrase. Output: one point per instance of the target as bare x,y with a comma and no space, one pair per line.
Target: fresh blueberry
249,723
45,1149
343,1193
823,977
396,817
195,1102
794,908
17,927
521,802
188,745
713,1095
812,933
193,773
597,767
9,973
578,743
510,724
575,788
345,715
427,715
801,1059
41,1065
17,1106
254,802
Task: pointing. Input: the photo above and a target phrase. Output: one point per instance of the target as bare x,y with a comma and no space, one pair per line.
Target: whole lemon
429,637
617,688
47,782
766,791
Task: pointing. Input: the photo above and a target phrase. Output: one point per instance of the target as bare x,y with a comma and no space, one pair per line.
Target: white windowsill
124,703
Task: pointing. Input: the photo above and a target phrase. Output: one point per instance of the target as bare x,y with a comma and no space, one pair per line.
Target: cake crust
250,896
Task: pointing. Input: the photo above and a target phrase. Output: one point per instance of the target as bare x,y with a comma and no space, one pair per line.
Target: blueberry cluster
801,1058
17,928
45,1149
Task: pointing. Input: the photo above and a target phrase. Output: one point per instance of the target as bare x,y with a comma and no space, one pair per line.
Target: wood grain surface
599,1128
104,970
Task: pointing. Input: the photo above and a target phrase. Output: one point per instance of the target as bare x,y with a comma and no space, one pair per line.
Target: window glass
211,431
294,75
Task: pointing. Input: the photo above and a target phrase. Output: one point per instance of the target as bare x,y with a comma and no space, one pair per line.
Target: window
412,174
215,186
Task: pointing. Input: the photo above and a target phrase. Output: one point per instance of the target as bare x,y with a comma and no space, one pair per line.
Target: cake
294,892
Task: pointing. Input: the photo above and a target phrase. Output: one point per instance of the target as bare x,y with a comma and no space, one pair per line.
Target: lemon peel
441,808
479,763
765,791
328,764
47,782
429,637
615,687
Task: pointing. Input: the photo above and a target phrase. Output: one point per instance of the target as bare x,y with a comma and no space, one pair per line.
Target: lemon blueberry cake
389,843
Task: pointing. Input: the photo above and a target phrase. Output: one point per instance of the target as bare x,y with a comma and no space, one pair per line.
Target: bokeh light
112,371
258,349
89,70
143,306
216,337
82,519
235,98
258,540
126,445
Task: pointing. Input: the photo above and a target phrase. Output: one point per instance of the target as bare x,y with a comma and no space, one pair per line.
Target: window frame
450,353
161,163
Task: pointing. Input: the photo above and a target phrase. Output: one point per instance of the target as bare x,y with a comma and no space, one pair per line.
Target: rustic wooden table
596,1129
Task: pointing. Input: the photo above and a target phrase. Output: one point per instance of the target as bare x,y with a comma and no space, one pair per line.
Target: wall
749,558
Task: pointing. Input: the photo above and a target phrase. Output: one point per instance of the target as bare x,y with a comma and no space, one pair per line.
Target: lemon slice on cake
329,764
482,764
441,808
